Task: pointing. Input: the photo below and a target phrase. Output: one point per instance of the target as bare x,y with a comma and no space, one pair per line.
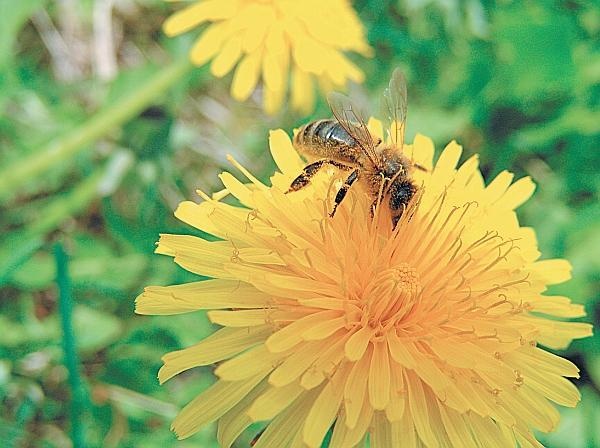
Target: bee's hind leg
310,170
341,194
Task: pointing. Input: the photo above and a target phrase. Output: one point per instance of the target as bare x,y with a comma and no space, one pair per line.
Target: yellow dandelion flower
430,334
270,39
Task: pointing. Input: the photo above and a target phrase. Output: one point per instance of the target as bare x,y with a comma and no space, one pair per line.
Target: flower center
390,296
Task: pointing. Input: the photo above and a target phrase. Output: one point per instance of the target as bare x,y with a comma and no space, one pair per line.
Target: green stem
25,243
67,205
15,176
65,306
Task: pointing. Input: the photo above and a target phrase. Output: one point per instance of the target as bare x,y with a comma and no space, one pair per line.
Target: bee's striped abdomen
327,138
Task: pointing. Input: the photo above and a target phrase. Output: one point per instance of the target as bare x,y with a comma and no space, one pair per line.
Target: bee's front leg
341,194
310,170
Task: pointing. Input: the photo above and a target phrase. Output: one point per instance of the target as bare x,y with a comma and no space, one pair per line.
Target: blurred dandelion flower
270,39
422,335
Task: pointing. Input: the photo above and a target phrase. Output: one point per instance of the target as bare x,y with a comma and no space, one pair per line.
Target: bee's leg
420,167
381,189
310,170
341,194
374,207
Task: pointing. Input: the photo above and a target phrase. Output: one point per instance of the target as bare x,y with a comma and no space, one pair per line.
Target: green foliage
99,161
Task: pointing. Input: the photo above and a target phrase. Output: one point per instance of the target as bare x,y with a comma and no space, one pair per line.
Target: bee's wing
354,123
395,103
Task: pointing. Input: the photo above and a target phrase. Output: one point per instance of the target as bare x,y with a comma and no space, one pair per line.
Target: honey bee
346,144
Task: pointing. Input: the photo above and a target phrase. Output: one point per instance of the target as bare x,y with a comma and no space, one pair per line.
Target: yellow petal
207,294
246,76
480,400
233,423
199,12
419,410
552,271
273,401
302,96
466,171
283,153
395,408
334,66
197,255
497,188
446,164
309,55
355,389
527,440
258,20
456,428
200,216
375,128
357,344
558,335
208,44
228,56
324,410
403,433
212,404
340,432
422,151
328,361
237,188
379,377
320,26
463,354
487,433
553,387
290,335
297,363
532,409
249,363
285,429
227,222
209,258
276,42
544,361
272,100
275,70
557,306
398,350
356,434
220,345
381,432
324,329
429,371
516,194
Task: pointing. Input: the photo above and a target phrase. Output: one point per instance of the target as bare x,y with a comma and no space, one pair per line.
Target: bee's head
394,164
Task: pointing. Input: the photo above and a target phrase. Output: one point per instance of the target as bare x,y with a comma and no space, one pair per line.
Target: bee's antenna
420,167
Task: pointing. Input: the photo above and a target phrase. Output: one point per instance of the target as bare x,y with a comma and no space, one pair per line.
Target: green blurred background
104,130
